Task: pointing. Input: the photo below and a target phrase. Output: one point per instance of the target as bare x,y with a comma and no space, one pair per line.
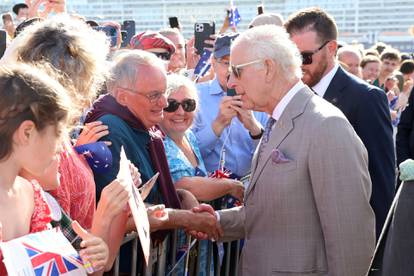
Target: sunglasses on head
189,105
307,55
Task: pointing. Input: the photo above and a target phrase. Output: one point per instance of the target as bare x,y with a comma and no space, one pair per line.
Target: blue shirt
239,146
178,162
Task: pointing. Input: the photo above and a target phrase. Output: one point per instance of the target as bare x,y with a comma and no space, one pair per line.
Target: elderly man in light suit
306,209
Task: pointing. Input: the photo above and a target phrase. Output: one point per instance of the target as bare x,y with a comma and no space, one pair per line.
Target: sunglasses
189,105
163,56
307,55
236,69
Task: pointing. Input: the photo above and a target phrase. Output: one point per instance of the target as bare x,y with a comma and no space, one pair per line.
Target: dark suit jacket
394,253
366,108
405,134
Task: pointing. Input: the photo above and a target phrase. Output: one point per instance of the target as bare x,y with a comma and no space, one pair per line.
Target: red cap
151,40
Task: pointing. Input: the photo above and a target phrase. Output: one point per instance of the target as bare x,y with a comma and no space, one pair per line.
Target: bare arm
109,222
207,189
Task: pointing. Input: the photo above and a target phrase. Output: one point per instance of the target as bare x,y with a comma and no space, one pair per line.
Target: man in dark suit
365,106
393,254
405,134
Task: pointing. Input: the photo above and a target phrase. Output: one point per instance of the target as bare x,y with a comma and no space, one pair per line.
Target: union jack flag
51,264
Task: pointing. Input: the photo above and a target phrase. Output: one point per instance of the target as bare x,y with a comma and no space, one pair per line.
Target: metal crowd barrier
158,265
163,259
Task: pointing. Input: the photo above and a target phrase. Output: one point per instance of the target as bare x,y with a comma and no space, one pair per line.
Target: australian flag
98,155
51,264
203,64
234,17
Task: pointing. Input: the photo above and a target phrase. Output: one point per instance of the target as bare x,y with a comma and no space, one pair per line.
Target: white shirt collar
321,87
280,107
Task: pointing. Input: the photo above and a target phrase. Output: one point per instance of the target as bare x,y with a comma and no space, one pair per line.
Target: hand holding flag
95,252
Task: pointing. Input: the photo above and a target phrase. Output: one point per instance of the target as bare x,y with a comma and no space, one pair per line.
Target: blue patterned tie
268,129
266,136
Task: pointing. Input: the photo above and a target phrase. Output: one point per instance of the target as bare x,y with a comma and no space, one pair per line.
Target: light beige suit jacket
311,215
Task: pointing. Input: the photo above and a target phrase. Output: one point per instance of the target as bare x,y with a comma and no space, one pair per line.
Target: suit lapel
334,93
280,131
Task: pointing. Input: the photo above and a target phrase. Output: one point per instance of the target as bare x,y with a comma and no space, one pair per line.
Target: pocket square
278,157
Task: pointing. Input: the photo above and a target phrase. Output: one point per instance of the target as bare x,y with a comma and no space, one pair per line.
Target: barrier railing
223,258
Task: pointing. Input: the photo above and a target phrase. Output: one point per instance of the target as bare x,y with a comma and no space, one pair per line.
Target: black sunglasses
307,56
189,105
163,56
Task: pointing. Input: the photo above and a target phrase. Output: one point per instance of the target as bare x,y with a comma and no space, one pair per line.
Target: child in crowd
33,114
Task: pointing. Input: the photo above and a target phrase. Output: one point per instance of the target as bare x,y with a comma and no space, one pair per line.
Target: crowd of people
318,129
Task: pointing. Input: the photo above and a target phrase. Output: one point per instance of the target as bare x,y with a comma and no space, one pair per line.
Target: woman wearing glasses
184,158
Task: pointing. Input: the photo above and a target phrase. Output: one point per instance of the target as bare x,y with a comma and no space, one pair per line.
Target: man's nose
231,83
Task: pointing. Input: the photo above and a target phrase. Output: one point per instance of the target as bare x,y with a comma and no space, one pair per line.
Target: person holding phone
222,125
177,60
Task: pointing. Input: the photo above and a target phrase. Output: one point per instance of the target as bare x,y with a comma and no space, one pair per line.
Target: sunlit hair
272,42
369,59
390,53
175,82
127,68
168,32
71,47
29,94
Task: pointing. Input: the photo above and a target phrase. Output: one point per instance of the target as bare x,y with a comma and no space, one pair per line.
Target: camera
199,28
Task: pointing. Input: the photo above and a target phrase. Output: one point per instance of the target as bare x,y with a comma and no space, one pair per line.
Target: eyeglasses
189,105
307,55
236,69
152,97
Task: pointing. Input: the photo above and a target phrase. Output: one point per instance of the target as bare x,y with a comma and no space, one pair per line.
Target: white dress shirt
280,107
321,87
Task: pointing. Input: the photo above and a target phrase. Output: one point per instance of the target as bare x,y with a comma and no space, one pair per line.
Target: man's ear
332,47
271,69
24,132
122,97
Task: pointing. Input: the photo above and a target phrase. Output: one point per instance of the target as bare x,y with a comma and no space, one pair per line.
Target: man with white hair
307,206
132,111
351,57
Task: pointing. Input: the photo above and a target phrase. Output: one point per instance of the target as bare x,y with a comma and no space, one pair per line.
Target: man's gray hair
175,82
127,67
273,42
170,31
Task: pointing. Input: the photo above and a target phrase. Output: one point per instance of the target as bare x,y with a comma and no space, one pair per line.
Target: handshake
205,224
200,222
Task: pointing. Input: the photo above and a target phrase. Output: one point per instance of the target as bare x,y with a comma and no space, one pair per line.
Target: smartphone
202,32
3,42
260,9
110,31
174,22
123,36
129,27
231,92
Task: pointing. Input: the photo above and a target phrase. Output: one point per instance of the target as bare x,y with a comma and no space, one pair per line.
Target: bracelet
258,136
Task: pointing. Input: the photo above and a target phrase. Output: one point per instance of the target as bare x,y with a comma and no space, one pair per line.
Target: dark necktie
266,135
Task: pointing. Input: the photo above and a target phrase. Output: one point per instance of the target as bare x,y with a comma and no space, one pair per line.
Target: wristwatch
258,136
